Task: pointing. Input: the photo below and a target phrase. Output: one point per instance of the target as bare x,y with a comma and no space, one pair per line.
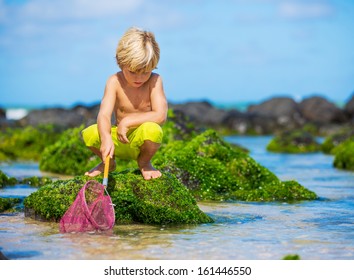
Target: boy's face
135,79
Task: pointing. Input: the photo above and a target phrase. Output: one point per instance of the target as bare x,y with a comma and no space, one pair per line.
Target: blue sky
60,52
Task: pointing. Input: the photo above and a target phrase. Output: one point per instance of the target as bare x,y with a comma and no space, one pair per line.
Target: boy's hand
107,149
122,131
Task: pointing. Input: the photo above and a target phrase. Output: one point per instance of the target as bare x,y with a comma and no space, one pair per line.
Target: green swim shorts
147,131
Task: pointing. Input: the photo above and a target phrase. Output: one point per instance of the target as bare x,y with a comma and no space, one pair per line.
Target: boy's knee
91,136
152,131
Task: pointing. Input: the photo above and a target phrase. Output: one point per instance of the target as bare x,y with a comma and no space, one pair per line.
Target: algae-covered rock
178,127
6,180
26,143
8,203
3,157
212,169
344,155
68,155
291,257
294,142
206,164
334,140
161,201
35,181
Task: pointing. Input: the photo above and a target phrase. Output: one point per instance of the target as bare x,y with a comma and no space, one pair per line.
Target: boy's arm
104,118
158,113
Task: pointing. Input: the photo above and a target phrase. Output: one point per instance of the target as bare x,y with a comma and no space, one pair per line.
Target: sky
61,52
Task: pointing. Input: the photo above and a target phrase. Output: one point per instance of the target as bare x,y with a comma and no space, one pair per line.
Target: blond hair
138,50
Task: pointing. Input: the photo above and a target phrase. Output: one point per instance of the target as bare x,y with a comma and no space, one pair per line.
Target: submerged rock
212,169
161,201
294,142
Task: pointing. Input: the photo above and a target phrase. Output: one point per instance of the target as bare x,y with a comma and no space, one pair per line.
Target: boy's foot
97,170
149,172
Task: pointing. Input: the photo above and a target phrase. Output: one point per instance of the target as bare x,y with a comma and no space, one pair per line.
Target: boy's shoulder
115,76
155,76
113,80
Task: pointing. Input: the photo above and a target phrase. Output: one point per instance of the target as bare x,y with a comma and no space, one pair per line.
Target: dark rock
2,113
349,108
283,110
60,117
89,113
4,122
319,110
237,121
249,123
201,112
2,257
57,116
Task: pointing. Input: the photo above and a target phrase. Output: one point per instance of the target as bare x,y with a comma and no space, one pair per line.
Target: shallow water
321,229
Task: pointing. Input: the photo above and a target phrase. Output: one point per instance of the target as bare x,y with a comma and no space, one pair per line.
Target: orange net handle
106,169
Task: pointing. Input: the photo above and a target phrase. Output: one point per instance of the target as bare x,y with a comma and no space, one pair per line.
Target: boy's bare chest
133,102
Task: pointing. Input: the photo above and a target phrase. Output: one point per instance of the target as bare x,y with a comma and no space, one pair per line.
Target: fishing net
92,210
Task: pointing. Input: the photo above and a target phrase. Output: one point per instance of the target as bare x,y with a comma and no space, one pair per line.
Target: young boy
136,96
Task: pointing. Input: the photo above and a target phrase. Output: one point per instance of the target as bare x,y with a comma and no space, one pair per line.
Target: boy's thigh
137,136
147,131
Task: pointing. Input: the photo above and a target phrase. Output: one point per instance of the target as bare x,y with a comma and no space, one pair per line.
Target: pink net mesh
91,210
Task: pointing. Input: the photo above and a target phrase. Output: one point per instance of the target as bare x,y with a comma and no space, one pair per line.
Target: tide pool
320,229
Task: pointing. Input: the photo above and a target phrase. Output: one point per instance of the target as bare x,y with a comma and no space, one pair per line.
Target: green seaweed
292,257
35,181
6,180
68,155
212,169
297,141
334,140
7,204
344,155
161,201
26,143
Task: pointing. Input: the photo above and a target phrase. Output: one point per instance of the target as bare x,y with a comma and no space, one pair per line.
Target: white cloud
305,10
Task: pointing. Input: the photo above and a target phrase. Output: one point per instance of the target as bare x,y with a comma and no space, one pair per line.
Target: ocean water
16,112
320,229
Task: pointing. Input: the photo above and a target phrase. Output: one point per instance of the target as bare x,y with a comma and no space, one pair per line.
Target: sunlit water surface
321,229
